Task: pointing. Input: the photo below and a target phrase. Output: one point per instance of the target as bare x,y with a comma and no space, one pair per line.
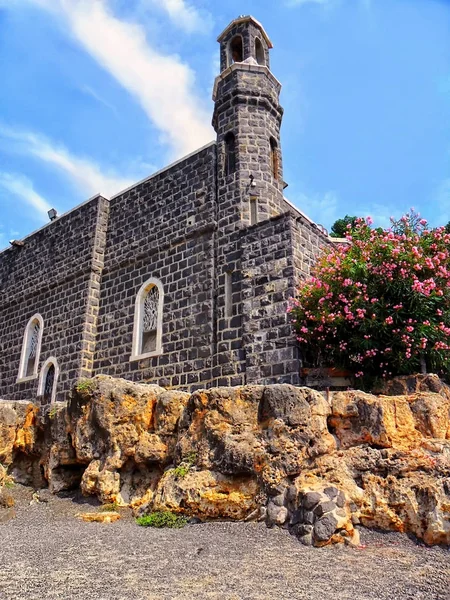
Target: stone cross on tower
247,119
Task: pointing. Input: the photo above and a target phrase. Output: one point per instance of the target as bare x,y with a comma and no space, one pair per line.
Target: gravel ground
46,553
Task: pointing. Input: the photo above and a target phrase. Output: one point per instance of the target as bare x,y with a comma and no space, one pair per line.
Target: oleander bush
379,306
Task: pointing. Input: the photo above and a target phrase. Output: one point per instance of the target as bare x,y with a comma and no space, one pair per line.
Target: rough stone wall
268,281
277,255
162,228
51,274
307,244
247,104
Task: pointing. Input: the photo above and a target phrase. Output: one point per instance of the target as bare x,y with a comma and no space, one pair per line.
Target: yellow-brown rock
99,517
266,431
381,421
207,495
383,461
17,429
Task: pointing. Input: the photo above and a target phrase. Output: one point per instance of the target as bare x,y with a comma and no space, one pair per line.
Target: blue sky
97,94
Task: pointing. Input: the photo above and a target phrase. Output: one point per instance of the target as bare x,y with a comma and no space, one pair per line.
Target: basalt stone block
324,528
324,507
276,515
310,500
309,517
303,529
297,516
340,500
331,492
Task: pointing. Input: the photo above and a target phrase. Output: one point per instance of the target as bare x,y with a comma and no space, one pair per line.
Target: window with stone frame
259,52
147,332
230,153
236,50
31,348
274,158
48,381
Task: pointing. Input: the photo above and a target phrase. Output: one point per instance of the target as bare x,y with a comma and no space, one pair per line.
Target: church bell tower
247,119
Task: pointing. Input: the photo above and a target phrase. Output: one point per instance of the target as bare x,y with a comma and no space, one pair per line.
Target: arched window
230,153
48,380
147,332
31,348
259,52
274,158
236,50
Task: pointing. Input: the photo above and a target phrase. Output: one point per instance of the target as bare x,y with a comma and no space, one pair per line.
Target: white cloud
322,209
184,15
84,173
90,92
163,85
22,188
326,208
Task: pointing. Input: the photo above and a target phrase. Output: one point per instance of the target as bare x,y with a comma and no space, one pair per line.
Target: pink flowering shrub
380,305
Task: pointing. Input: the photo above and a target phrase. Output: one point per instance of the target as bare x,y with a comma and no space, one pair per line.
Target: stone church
181,280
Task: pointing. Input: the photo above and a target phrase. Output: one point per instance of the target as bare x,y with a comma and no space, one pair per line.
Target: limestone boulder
207,495
125,433
382,421
406,491
264,431
18,431
318,468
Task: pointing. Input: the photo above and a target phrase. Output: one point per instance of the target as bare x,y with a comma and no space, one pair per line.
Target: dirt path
45,553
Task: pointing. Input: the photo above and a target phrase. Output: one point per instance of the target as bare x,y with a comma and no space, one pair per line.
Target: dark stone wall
277,255
50,274
165,228
246,104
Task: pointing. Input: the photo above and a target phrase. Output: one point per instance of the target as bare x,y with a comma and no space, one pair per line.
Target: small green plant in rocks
162,519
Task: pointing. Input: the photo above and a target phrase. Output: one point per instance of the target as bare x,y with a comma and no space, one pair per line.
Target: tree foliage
341,227
379,306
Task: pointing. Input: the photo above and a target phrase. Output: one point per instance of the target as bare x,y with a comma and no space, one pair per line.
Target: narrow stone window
147,332
259,52
236,50
253,210
228,294
48,381
31,348
230,153
274,158
150,320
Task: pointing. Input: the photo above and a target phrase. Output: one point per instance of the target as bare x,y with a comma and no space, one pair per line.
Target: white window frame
25,345
43,375
136,353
